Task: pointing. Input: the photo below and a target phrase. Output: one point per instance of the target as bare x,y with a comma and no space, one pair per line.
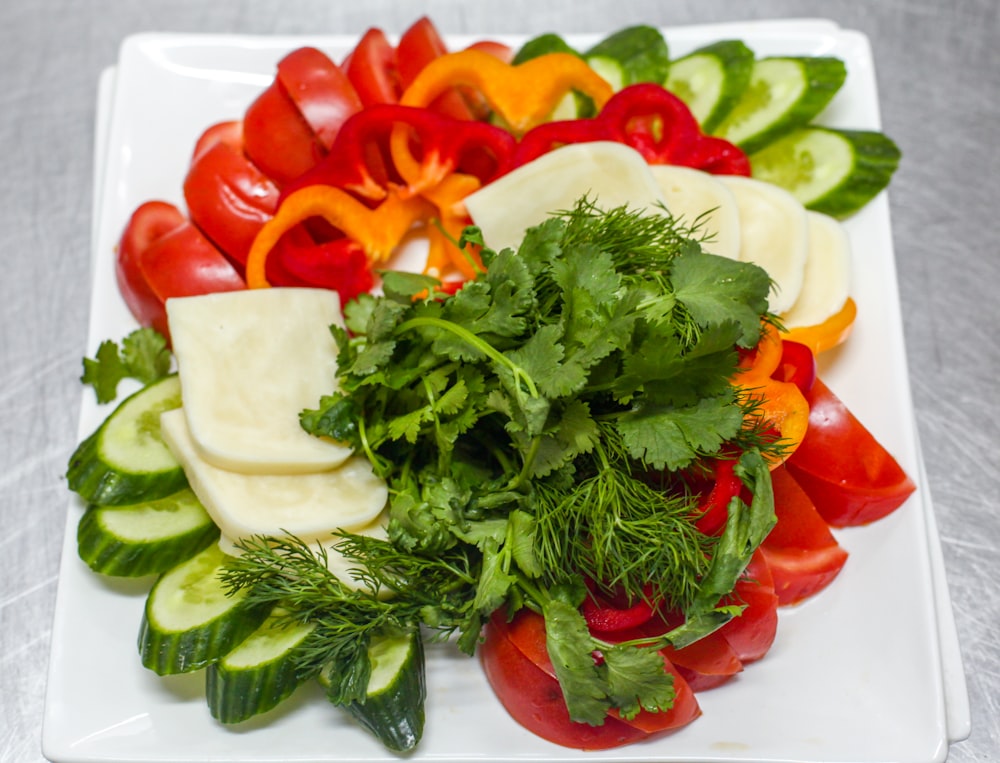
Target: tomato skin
227,196
707,663
276,137
533,698
321,91
371,68
845,471
161,254
752,633
526,632
150,221
801,552
418,46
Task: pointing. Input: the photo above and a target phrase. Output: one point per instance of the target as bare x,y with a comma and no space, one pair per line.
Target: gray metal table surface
939,85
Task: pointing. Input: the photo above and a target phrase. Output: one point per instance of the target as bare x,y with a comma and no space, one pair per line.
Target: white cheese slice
308,506
696,197
249,363
827,280
336,562
773,234
610,174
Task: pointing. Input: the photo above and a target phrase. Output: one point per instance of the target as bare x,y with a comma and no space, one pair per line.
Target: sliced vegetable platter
865,671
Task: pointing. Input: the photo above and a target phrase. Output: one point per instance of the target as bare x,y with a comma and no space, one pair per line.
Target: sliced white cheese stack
773,234
827,280
693,196
610,174
249,363
308,506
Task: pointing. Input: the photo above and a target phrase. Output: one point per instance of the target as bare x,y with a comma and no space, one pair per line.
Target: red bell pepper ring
605,616
713,508
651,120
362,162
846,472
797,365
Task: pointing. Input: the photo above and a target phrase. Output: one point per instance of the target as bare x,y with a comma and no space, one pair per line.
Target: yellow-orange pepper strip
377,230
828,334
780,404
523,95
447,196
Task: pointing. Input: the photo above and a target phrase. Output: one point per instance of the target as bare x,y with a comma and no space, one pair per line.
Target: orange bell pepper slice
523,95
378,231
780,404
828,334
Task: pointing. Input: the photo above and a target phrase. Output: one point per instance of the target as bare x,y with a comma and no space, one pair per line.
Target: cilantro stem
474,341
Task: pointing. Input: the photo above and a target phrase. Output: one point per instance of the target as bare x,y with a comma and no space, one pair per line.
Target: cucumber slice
191,620
711,79
634,54
259,673
145,538
542,45
831,171
393,709
784,92
125,460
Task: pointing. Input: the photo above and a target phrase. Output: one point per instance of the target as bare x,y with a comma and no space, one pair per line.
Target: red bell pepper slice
846,472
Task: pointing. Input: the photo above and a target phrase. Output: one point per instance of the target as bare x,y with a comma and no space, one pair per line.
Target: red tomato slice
498,50
752,633
277,138
527,634
227,196
321,91
230,132
850,477
533,698
418,46
371,68
707,663
801,552
148,223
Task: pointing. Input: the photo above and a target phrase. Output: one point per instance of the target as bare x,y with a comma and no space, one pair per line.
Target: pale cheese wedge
308,506
610,174
249,363
336,562
827,281
773,234
699,198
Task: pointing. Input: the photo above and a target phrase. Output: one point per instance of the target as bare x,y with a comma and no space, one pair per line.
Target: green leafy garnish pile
538,431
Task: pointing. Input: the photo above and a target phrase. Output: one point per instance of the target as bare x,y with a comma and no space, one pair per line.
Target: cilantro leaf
143,356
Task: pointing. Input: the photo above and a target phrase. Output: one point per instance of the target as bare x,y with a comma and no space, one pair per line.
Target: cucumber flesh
144,538
829,170
711,80
783,93
260,673
393,709
125,460
191,620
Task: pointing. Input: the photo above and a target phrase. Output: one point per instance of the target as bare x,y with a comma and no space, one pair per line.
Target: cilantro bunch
537,430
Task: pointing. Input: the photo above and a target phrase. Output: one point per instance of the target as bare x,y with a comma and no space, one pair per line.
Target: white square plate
867,671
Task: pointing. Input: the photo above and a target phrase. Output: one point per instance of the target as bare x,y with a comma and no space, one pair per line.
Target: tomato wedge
321,91
845,471
371,68
533,698
526,634
227,196
161,254
752,633
277,138
801,552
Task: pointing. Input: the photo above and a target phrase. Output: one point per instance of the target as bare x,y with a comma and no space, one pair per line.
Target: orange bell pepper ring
758,364
828,334
523,95
378,231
